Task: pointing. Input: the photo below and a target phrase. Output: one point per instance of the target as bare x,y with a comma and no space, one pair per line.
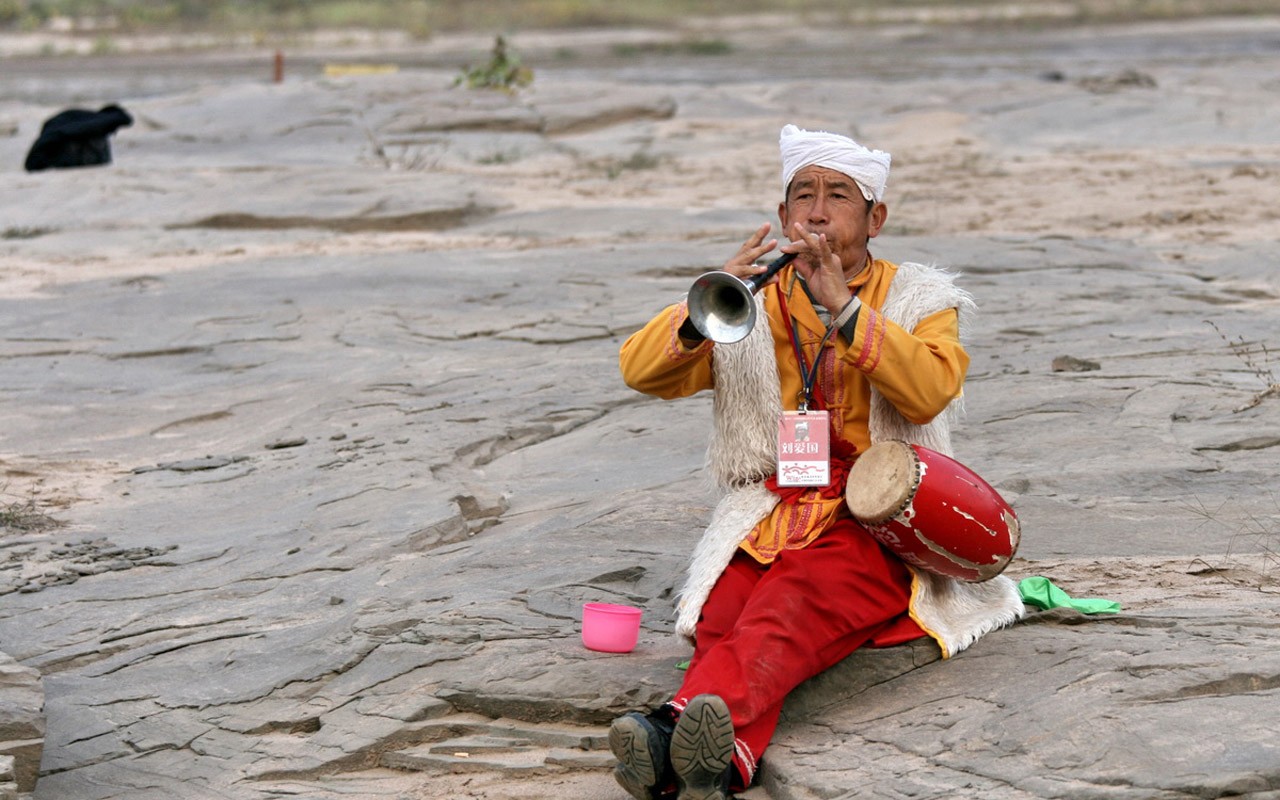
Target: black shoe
702,749
641,744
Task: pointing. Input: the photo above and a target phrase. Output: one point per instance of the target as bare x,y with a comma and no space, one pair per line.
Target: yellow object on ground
344,70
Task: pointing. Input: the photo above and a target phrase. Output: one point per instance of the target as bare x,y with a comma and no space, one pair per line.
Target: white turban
801,148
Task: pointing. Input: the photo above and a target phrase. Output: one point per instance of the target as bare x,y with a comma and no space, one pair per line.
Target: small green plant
500,157
636,161
504,71
23,232
104,46
707,47
11,12
688,47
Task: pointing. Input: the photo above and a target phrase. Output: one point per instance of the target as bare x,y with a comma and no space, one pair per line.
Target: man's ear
879,213
782,217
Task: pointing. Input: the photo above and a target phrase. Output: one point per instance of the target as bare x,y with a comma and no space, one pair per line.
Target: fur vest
742,454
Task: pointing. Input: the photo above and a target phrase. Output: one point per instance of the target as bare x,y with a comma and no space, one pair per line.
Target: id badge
804,448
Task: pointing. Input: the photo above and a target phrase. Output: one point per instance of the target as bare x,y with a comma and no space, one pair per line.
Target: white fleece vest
742,454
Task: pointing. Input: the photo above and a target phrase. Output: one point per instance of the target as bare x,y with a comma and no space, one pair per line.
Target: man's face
825,201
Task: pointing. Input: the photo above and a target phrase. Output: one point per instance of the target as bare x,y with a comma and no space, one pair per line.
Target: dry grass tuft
1253,549
1247,353
23,516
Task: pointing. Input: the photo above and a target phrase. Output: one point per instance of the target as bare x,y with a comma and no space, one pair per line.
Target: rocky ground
312,442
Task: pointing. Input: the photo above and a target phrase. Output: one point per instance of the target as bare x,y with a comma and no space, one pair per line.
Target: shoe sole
636,772
702,748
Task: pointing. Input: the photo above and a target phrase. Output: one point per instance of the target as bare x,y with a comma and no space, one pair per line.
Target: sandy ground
1204,186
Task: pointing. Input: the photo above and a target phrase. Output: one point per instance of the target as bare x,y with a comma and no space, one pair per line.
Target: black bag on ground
76,138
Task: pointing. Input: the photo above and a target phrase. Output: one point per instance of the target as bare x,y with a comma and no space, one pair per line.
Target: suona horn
722,306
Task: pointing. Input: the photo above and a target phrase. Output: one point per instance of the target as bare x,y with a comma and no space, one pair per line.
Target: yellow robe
918,371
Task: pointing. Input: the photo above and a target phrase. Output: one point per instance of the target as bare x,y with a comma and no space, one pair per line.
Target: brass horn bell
722,306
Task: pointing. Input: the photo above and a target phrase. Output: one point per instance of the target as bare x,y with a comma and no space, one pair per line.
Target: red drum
932,511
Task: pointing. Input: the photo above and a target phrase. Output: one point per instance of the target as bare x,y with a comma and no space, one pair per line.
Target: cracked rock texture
22,726
312,443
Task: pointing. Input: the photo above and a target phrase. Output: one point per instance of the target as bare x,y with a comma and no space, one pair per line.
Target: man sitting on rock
784,582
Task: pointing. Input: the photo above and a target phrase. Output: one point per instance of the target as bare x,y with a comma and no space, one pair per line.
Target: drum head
882,481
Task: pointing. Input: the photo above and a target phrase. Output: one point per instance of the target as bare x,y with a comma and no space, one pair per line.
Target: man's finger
758,236
760,250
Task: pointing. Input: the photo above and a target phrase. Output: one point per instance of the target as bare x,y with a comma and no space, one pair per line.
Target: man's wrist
847,312
847,320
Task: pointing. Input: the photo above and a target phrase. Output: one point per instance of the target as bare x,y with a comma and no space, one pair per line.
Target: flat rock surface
312,442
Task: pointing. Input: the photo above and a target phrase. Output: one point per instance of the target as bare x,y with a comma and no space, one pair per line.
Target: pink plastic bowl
609,628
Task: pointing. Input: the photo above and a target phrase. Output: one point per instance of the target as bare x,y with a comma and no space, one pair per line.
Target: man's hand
820,267
743,264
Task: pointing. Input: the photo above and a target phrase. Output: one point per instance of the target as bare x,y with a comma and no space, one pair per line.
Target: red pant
766,628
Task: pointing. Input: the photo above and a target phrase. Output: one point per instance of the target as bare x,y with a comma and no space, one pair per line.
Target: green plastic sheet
1040,592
